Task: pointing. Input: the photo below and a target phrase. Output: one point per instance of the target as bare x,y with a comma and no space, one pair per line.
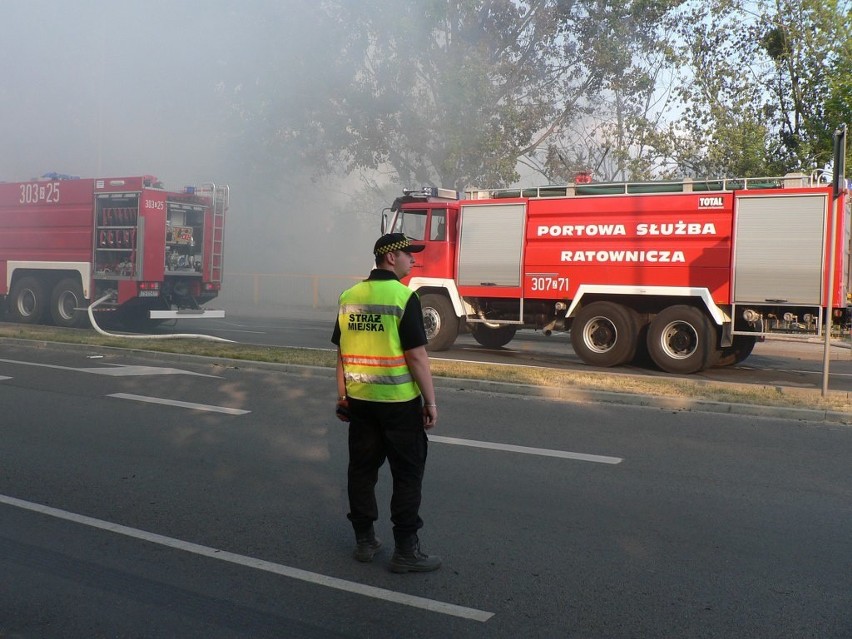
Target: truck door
779,248
491,245
430,227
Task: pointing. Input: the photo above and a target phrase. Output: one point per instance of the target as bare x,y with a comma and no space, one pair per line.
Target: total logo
711,202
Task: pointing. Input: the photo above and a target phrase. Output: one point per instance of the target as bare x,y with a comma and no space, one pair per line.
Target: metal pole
839,174
830,303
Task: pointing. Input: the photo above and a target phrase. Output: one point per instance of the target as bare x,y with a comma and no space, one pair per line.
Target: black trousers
392,431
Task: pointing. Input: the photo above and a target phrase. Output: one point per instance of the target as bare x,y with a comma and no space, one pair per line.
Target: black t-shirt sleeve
411,331
335,335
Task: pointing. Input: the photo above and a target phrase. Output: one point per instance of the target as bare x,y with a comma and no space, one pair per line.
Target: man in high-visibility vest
385,392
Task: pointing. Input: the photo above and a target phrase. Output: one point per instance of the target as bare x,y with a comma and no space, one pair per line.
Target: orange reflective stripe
370,360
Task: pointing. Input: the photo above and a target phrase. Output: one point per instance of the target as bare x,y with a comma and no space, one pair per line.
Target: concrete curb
575,395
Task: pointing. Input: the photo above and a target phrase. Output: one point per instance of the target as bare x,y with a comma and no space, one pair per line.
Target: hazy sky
109,88
125,87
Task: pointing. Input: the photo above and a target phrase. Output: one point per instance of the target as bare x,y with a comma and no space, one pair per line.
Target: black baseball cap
395,242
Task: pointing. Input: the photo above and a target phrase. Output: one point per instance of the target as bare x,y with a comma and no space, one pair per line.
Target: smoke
180,90
102,88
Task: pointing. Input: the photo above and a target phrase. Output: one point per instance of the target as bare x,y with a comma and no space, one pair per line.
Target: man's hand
430,416
342,410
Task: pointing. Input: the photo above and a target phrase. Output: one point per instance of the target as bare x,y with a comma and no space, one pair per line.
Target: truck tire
604,334
493,337
738,351
65,302
681,340
27,301
440,322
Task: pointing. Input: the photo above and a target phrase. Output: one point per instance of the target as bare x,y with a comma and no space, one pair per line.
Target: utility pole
839,185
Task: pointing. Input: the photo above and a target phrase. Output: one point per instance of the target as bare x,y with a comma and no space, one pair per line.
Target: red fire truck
65,243
689,273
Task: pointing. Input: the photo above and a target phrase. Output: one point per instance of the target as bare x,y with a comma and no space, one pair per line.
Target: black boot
407,557
366,545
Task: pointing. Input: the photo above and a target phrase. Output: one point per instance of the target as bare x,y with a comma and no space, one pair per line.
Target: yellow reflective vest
373,360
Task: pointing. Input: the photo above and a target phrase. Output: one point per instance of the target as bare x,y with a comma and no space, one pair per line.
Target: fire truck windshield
411,223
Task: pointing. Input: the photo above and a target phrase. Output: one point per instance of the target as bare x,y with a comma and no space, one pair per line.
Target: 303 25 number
39,193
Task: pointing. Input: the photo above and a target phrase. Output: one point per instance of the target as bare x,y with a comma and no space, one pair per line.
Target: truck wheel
681,340
604,334
440,322
66,299
493,337
739,350
27,301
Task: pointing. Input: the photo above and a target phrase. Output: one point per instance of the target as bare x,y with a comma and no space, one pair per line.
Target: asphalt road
125,512
774,362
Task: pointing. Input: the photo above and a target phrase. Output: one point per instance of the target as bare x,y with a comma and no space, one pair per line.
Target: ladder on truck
686,185
220,196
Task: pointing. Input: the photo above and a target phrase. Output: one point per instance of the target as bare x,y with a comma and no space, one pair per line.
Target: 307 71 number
538,283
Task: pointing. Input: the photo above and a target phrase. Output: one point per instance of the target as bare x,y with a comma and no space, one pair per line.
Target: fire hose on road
97,328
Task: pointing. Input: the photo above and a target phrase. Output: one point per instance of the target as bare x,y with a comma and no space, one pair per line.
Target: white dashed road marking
258,564
174,402
544,452
117,370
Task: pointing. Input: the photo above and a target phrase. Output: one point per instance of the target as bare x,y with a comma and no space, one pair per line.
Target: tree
457,92
447,92
838,107
622,109
282,64
756,96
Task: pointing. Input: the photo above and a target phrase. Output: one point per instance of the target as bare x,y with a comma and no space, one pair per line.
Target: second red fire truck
688,273
145,253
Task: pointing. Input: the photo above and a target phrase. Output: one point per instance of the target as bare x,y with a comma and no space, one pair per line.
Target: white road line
544,452
258,564
811,372
240,330
3,377
115,370
174,402
121,370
